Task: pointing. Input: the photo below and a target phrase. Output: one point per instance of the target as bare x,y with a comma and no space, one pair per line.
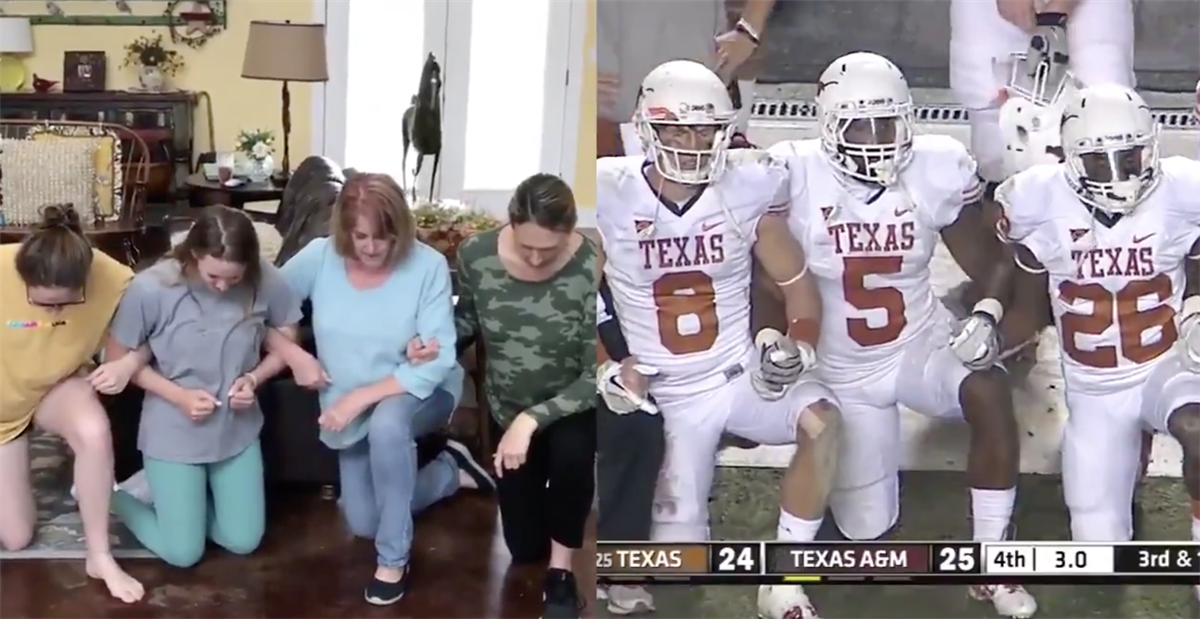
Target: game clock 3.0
930,563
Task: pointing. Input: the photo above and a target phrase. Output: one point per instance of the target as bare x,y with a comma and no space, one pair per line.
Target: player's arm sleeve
608,326
1015,226
961,187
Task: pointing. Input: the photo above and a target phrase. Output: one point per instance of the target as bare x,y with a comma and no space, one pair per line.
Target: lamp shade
16,35
285,51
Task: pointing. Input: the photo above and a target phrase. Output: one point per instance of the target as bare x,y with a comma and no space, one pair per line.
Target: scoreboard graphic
899,562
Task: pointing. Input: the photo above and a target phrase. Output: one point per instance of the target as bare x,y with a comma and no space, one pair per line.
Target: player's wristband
1191,308
991,307
1052,19
805,330
751,33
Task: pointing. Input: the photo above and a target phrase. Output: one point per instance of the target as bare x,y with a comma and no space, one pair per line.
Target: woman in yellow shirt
57,296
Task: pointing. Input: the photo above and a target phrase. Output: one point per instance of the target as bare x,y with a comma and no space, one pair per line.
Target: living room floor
308,567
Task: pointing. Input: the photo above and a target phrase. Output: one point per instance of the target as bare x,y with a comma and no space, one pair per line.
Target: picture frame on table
84,71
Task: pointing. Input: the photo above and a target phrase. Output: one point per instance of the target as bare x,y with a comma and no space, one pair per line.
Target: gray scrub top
200,339
633,37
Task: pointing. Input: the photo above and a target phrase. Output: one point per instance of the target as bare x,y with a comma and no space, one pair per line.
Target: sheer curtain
507,87
385,56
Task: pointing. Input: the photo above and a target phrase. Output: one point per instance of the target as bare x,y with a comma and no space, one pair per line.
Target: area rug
60,530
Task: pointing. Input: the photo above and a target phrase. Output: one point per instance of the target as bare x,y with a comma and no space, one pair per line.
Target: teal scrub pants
184,514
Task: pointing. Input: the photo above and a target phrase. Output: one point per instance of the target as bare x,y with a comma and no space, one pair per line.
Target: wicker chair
119,170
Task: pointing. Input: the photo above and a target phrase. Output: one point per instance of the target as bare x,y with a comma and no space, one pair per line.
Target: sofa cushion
39,173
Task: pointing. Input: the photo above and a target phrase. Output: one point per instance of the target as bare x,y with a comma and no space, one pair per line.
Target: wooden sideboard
166,121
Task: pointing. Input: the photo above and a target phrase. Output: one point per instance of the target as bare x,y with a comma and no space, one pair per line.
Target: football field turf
935,507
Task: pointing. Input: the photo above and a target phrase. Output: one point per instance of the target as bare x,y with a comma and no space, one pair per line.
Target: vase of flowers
445,224
154,62
257,146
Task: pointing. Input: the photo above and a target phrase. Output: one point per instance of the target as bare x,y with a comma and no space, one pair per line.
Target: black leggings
550,496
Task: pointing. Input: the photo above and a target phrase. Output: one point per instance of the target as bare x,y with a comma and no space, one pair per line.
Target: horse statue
422,124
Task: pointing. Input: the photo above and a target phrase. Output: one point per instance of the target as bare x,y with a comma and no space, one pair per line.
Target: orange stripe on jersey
973,192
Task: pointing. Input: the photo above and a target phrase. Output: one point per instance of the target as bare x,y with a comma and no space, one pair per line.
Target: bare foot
121,585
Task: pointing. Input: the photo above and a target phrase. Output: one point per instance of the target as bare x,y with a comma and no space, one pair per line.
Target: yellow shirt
39,349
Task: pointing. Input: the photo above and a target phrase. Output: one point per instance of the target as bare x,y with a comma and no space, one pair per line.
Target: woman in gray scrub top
204,312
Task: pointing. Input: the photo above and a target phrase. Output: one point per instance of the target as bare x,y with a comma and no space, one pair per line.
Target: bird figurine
123,7
54,9
41,84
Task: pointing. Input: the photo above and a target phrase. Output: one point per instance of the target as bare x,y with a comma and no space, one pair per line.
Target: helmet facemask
867,146
686,153
1115,178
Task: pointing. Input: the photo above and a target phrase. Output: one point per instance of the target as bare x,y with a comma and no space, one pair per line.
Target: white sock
1195,529
793,529
991,512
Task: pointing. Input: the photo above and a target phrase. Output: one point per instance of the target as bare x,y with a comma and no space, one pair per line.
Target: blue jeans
381,487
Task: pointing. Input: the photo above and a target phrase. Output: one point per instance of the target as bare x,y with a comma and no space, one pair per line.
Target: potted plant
153,61
445,224
257,145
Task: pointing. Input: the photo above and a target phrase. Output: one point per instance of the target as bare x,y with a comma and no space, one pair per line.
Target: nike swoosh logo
1141,239
707,227
900,211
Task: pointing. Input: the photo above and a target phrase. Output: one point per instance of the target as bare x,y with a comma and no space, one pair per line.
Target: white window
506,70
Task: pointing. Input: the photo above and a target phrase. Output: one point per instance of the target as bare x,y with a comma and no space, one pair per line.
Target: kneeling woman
204,313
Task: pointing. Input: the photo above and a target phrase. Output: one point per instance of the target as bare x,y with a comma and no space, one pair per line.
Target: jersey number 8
1121,309
690,296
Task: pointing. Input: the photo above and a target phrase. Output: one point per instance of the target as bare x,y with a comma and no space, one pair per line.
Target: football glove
612,390
976,342
782,361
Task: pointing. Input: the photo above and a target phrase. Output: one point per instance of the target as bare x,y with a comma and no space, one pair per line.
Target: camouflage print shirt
539,337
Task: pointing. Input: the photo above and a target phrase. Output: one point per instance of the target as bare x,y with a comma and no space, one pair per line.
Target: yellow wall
215,68
585,158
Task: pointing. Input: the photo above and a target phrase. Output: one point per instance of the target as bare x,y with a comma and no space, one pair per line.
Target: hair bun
60,216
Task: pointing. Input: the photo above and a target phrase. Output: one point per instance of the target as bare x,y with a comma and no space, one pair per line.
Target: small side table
205,192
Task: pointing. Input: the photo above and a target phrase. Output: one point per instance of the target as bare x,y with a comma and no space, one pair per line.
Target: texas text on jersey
870,248
1115,290
680,274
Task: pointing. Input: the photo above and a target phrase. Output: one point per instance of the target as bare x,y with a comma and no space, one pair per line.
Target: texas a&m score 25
895,562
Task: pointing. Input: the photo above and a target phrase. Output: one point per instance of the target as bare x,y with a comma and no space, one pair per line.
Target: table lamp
16,37
285,52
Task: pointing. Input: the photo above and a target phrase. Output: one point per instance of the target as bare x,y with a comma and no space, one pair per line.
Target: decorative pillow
109,172
34,174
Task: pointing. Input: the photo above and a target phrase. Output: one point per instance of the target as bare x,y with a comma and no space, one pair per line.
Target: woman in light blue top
374,289
204,312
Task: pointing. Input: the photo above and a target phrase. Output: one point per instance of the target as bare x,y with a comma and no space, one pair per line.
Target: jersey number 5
686,296
1120,308
854,283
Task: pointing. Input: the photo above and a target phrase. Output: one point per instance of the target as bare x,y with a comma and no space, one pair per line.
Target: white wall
510,108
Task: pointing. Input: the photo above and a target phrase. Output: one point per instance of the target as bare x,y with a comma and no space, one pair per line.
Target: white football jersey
870,247
1115,291
680,277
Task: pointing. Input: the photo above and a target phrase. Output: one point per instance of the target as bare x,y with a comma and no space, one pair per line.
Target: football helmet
1110,146
684,117
1030,129
865,112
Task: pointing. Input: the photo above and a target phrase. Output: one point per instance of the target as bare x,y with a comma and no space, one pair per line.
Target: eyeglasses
55,306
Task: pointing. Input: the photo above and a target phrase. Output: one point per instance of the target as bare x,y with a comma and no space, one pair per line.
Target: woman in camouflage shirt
527,295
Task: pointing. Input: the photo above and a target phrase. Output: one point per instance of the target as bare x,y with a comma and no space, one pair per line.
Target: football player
870,202
681,229
1113,235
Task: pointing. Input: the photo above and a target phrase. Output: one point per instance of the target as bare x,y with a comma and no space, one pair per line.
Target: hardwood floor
308,567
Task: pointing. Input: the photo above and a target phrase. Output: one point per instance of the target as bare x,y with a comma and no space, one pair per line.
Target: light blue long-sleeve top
362,335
